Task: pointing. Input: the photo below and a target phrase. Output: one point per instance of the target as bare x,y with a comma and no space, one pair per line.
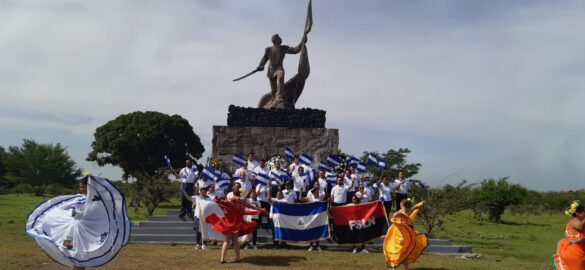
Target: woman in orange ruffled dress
571,249
402,244
232,224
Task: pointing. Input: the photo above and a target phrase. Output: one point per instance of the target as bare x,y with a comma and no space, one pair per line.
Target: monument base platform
266,142
259,117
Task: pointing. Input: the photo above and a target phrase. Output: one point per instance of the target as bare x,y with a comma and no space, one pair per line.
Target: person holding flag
188,176
385,190
401,186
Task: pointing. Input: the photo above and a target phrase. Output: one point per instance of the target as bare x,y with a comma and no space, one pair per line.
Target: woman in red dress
571,249
232,224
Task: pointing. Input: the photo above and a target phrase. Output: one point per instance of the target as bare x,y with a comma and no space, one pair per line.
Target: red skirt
232,221
570,256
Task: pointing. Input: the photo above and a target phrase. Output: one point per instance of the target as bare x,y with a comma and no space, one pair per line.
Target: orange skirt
570,256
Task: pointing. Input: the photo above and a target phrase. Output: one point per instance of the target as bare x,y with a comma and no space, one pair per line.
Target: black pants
255,233
388,207
186,207
262,216
400,197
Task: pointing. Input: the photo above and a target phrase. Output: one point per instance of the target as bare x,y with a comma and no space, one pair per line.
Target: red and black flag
360,223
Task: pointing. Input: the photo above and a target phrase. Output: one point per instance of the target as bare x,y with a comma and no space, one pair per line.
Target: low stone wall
270,141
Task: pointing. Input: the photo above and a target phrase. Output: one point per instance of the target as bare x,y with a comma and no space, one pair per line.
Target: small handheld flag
361,167
239,160
333,160
382,164
262,179
372,160
324,167
306,159
351,161
331,178
288,153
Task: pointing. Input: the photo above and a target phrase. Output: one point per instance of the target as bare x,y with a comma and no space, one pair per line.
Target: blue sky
476,89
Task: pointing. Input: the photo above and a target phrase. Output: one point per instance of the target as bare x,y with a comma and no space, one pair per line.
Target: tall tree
3,182
39,165
138,141
495,195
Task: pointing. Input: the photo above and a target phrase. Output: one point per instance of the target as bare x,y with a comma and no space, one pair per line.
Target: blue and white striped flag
223,183
382,164
307,177
372,160
239,160
325,167
331,178
289,154
351,161
300,222
306,159
262,179
167,160
195,171
361,167
333,160
209,173
275,176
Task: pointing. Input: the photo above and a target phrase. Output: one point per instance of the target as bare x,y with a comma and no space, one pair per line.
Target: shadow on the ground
272,260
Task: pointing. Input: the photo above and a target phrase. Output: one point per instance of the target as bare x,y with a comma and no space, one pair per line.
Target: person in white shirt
203,182
300,183
350,177
188,176
322,181
362,195
244,183
236,191
339,193
367,187
316,194
282,196
252,163
385,190
276,172
289,194
252,200
213,193
293,168
199,195
355,201
401,186
249,174
262,195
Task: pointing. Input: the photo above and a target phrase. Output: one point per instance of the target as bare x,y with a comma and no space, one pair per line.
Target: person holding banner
232,224
362,195
402,244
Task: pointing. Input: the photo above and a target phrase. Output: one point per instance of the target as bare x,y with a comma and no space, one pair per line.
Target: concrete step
169,218
162,230
447,249
442,242
178,238
164,224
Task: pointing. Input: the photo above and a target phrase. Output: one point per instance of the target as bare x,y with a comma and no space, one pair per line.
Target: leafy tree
395,162
152,190
494,196
443,201
138,141
40,165
3,182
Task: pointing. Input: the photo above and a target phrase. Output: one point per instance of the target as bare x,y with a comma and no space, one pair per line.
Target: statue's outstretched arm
297,49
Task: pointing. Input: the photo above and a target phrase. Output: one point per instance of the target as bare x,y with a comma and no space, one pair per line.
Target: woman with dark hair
571,249
232,224
402,244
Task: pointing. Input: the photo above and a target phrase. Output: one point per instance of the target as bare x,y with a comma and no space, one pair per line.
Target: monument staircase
170,229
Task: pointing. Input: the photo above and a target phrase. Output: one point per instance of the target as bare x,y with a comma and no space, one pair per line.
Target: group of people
349,187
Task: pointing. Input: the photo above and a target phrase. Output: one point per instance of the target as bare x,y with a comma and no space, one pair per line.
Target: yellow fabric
402,242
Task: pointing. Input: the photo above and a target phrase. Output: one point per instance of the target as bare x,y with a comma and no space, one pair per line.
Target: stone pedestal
266,142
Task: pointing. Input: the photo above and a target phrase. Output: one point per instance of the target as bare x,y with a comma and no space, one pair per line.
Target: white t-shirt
249,173
289,195
366,198
298,183
259,169
283,200
187,175
252,164
311,197
339,194
347,181
246,185
294,168
195,200
404,187
216,194
322,184
262,193
385,191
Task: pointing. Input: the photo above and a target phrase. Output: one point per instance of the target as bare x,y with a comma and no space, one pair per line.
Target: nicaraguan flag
223,183
324,167
333,160
239,160
382,164
167,160
209,173
306,159
300,222
361,167
262,179
288,153
331,178
307,177
275,176
195,171
351,161
372,160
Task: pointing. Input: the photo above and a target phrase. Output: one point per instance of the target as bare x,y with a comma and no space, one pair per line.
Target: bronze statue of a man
275,54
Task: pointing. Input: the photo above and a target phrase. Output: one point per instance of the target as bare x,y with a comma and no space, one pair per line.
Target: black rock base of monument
256,117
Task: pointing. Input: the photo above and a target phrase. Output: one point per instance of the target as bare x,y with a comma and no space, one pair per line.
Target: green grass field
517,243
